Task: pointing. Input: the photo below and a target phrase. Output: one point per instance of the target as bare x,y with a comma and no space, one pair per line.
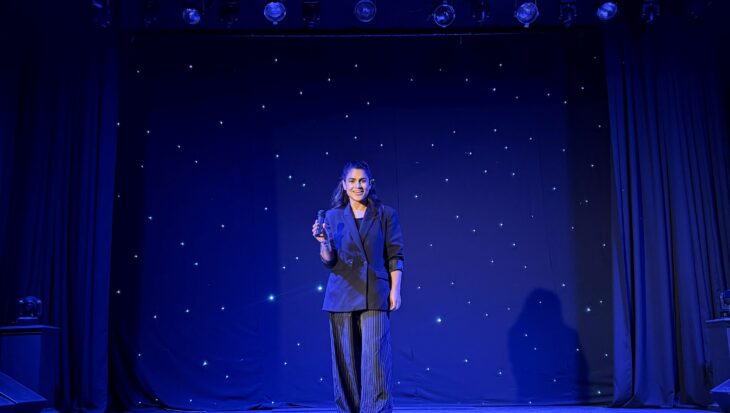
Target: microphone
320,222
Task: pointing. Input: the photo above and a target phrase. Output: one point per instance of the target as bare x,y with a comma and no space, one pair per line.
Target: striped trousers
361,361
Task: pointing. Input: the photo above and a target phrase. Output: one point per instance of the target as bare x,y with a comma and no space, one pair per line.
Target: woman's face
357,185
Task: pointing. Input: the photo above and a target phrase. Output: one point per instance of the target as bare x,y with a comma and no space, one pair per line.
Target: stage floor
520,409
448,409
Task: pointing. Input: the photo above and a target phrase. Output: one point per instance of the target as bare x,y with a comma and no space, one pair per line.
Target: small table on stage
721,393
29,354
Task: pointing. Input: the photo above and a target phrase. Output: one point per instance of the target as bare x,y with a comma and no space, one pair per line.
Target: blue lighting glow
527,13
444,14
275,11
365,10
607,11
191,16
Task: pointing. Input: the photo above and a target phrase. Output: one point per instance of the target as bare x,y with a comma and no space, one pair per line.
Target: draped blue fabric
671,220
57,156
494,150
515,200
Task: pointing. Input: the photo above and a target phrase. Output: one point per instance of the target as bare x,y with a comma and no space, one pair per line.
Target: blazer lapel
368,219
352,228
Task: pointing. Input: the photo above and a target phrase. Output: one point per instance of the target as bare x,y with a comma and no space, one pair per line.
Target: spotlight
444,14
310,12
30,310
365,10
650,10
149,10
607,10
275,11
194,10
479,10
725,303
229,12
527,13
567,12
191,16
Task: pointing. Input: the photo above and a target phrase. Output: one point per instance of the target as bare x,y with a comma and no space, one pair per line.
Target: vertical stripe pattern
361,361
344,335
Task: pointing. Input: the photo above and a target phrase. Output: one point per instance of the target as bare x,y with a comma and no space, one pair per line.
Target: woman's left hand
394,300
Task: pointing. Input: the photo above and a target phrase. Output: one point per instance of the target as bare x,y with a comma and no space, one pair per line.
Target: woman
362,246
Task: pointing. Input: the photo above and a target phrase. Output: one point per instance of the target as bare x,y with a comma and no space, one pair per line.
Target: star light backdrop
494,150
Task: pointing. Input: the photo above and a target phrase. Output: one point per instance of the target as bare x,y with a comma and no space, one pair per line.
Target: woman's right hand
324,236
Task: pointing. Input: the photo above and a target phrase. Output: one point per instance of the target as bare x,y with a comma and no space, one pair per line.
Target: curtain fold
670,211
58,159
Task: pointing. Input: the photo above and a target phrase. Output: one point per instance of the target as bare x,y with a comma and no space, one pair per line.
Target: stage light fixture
527,13
191,16
479,10
230,11
725,303
365,10
30,310
194,10
149,10
444,14
567,12
310,12
607,10
650,10
102,13
274,11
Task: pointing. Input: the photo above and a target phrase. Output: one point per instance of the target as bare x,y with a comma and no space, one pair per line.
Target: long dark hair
339,196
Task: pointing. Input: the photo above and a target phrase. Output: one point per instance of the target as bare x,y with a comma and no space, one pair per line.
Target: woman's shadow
546,356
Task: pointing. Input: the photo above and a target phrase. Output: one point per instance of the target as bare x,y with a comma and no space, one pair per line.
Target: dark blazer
359,276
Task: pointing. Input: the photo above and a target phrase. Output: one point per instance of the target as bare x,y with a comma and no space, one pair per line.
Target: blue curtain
57,154
671,235
494,150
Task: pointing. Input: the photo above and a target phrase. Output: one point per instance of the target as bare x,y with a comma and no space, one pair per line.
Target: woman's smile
357,185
